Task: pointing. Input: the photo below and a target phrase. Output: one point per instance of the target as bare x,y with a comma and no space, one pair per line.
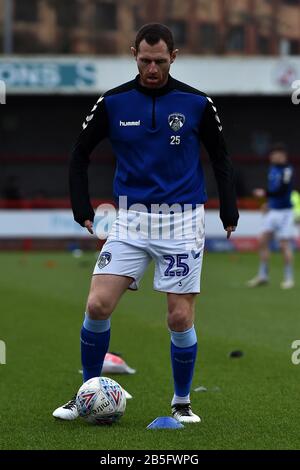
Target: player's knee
286,251
263,243
284,244
180,319
99,308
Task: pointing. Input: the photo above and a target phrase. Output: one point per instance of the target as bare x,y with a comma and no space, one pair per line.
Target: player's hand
259,192
229,230
89,226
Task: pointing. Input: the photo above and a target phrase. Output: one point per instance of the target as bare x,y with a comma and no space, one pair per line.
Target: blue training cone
165,422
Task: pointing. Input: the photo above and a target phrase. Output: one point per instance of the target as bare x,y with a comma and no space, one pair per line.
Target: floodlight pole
8,22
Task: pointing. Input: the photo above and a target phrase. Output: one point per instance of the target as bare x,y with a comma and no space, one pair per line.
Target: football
101,400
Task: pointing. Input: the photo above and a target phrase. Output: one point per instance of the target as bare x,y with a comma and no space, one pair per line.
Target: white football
101,400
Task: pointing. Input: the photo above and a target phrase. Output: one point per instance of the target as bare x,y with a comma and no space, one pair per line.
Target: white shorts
177,256
280,222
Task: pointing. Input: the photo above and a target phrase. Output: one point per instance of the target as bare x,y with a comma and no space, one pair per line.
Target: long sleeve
212,137
94,129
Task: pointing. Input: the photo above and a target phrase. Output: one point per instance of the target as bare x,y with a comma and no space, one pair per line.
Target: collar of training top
154,91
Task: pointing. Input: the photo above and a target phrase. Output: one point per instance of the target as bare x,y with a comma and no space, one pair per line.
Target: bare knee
180,319
286,250
99,307
181,310
264,242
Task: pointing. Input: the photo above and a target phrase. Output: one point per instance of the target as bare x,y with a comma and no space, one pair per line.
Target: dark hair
279,147
153,33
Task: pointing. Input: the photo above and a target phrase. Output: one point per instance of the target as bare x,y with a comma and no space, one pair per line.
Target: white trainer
182,412
257,281
289,284
67,412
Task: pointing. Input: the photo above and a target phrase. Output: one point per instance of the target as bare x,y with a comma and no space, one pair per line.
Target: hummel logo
130,123
195,255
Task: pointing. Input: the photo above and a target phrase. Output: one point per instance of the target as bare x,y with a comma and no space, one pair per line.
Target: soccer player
155,124
278,218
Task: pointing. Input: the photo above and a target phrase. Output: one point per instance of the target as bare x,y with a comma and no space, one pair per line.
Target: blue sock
183,357
95,336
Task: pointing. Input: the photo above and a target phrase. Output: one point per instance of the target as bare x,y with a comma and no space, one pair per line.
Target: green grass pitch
256,407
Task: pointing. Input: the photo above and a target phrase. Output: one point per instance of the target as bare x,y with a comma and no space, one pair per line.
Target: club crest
104,259
176,121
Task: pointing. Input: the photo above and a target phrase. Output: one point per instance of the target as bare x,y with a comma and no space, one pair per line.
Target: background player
278,217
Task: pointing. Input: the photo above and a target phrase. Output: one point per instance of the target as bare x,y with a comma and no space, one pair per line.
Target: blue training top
156,136
280,186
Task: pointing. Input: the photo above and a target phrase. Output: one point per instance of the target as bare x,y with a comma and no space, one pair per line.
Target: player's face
278,157
153,63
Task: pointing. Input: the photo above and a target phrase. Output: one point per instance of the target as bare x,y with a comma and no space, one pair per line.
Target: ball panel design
101,400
